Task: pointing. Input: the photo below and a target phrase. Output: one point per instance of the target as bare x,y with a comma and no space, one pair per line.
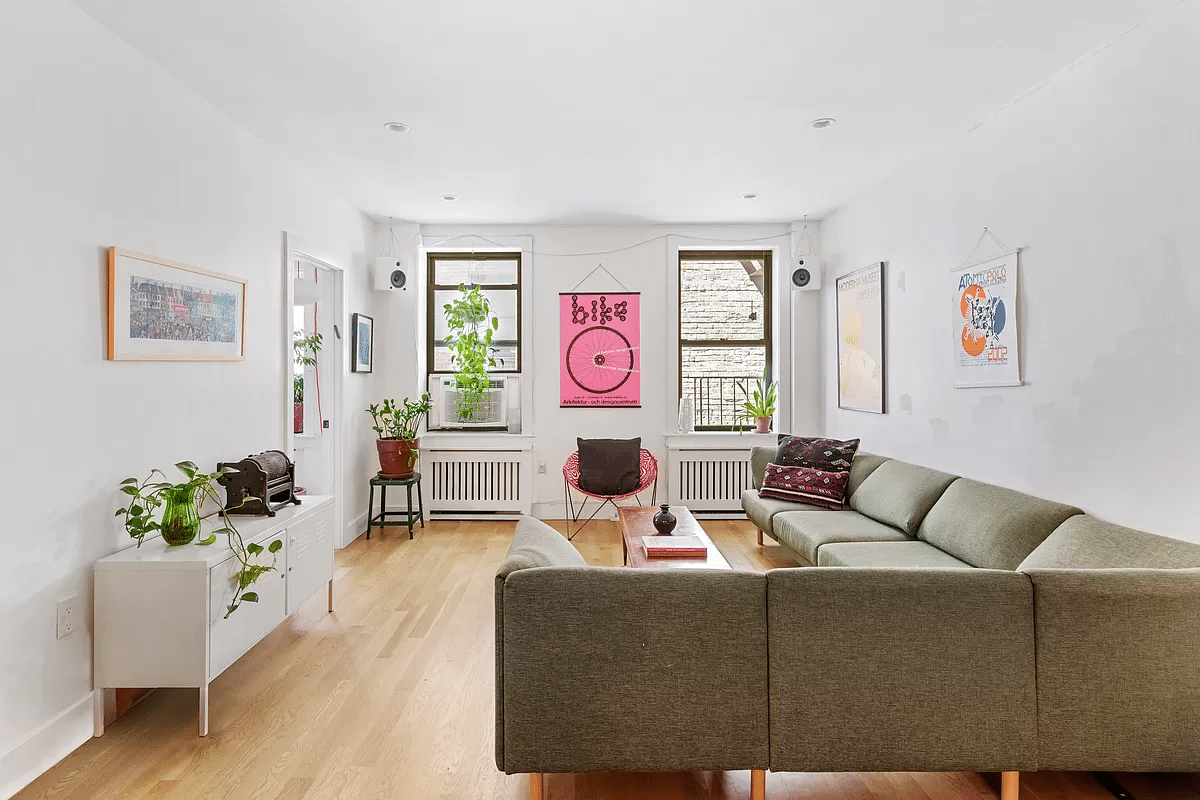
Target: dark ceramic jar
664,520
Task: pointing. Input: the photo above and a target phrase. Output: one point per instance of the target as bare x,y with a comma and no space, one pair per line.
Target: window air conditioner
492,412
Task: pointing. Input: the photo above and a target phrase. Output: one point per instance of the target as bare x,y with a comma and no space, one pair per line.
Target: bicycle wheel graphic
599,360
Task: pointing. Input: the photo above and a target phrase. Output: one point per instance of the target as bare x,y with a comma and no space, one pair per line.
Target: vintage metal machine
262,484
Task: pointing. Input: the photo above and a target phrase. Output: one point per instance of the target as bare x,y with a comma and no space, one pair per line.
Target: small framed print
162,311
364,343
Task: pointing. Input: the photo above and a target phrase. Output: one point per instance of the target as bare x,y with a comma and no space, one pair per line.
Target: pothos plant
146,496
471,325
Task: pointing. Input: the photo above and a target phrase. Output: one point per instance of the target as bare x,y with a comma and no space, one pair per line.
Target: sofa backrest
989,526
1084,542
536,544
861,468
759,458
899,494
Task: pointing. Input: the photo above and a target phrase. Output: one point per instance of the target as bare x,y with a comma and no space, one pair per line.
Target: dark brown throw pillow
609,467
827,455
803,485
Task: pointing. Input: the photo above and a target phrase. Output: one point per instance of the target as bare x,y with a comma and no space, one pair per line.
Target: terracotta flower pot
396,457
762,424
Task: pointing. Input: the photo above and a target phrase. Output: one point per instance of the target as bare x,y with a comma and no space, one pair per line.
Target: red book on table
674,546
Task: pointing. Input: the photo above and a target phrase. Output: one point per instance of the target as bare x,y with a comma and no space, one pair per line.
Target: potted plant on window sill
179,522
471,326
396,426
758,405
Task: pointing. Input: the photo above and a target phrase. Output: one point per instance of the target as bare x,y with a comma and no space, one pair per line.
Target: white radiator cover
708,480
470,482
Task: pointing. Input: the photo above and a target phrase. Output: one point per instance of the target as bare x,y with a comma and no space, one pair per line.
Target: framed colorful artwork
162,311
862,358
364,343
600,359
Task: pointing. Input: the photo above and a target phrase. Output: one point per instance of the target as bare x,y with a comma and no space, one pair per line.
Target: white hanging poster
984,329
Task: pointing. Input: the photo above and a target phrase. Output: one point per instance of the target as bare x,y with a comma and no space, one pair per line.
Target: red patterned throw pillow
829,455
805,485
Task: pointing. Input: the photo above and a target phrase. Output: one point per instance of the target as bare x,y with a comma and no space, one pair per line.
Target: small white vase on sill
687,415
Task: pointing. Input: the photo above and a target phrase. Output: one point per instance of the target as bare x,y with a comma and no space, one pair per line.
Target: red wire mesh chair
647,479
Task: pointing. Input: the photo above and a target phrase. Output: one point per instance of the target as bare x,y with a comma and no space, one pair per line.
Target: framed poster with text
984,324
862,365
599,343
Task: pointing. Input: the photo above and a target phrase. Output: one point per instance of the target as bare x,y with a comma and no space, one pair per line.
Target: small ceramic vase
664,520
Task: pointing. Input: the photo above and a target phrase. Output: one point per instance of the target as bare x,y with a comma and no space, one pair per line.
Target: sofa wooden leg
759,536
1010,785
758,784
535,786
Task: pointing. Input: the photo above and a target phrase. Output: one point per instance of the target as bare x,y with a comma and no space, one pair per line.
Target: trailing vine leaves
146,496
472,325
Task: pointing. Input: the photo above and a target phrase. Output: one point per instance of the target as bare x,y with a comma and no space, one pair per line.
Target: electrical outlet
541,468
68,615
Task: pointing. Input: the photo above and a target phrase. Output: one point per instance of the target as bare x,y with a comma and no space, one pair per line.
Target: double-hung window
724,330
498,275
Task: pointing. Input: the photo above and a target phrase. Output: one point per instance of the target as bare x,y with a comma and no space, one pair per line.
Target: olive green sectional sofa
1115,616
950,625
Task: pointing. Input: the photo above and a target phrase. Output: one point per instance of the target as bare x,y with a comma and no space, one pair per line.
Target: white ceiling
594,111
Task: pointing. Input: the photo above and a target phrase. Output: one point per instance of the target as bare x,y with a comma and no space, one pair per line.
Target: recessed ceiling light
822,122
395,127
749,196
449,198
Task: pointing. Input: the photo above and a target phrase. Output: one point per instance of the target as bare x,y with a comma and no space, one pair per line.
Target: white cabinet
309,547
160,611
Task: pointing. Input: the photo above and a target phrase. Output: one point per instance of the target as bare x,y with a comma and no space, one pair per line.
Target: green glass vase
180,519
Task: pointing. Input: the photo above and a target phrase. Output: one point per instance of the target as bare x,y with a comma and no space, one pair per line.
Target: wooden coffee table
637,521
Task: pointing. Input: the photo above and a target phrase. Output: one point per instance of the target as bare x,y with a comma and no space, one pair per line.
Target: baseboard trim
50,744
354,529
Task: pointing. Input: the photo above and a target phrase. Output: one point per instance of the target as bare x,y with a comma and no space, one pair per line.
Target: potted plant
471,326
304,354
396,426
757,405
179,522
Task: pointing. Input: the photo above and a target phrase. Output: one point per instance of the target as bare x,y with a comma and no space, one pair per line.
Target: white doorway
315,310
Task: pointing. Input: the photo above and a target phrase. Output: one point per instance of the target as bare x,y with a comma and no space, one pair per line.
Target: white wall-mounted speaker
804,273
391,274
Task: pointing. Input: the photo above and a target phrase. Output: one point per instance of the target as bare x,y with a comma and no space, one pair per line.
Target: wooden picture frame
861,340
362,357
160,310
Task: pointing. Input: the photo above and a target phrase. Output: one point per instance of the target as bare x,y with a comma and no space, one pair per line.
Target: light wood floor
391,697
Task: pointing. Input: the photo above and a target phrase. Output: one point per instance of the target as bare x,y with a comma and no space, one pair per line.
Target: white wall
99,147
649,269
1096,176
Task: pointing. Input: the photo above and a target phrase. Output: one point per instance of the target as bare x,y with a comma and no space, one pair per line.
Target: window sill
443,440
719,440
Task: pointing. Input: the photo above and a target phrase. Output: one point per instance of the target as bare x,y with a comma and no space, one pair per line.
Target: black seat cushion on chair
609,467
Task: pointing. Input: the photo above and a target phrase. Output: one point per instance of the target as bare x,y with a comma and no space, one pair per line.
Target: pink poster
600,358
